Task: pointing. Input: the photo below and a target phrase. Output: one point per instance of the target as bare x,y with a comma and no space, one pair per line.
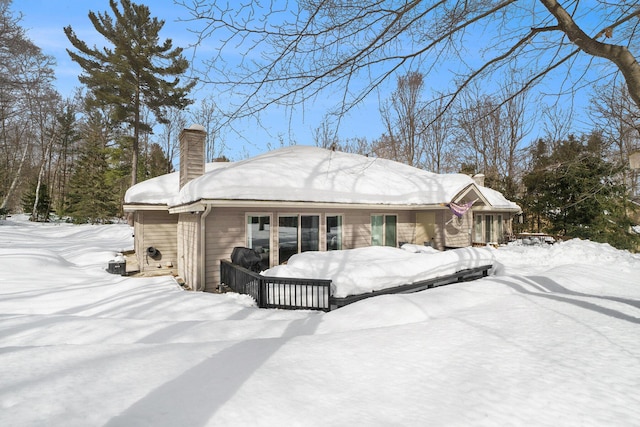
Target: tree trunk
34,213
136,143
16,178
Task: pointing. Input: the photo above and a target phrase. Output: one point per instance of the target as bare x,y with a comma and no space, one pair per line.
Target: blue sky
44,21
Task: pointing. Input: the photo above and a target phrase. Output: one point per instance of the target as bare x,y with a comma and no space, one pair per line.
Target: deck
315,294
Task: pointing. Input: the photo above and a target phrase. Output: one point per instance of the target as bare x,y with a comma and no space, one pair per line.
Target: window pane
334,233
310,228
488,228
477,229
500,230
377,225
390,233
258,232
287,237
259,237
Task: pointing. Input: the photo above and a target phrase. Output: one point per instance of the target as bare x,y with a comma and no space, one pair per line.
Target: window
384,230
297,233
309,233
477,229
334,233
259,236
488,229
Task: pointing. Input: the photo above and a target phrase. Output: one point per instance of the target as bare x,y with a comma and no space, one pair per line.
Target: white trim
284,204
461,195
203,230
144,207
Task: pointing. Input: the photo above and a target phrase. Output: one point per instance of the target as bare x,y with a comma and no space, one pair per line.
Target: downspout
203,229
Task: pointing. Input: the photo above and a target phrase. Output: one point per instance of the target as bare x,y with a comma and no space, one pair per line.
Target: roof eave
132,207
199,205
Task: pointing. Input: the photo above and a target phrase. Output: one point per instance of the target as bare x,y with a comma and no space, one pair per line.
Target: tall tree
575,192
25,74
403,117
135,71
619,118
207,115
168,138
91,195
490,136
66,149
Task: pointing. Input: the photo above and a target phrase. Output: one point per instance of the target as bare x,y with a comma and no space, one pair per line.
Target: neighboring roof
311,174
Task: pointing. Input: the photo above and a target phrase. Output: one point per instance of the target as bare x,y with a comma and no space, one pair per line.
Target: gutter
201,253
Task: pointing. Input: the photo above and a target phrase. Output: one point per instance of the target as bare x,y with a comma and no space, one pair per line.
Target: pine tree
65,146
575,192
92,197
131,74
157,161
44,202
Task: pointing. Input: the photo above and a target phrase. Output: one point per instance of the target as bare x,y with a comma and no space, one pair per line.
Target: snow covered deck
329,280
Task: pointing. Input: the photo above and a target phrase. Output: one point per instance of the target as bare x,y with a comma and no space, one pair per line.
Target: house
302,198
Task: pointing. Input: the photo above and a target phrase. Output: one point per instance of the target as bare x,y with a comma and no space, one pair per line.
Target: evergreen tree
44,202
575,192
132,74
157,162
66,145
91,193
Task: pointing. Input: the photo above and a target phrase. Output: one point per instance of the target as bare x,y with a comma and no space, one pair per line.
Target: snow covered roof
496,199
161,189
311,174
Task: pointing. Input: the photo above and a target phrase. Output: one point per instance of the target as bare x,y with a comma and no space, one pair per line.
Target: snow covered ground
551,339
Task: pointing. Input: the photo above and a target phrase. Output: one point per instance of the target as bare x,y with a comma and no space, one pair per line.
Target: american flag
459,210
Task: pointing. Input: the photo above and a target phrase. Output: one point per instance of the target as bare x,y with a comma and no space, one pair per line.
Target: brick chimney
192,141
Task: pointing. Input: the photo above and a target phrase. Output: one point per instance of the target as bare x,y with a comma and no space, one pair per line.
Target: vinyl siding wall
188,248
157,229
226,229
457,231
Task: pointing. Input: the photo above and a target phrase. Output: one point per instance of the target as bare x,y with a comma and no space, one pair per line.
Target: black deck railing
277,292
315,294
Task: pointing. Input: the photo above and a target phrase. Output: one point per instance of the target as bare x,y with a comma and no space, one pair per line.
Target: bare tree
25,73
438,135
325,136
490,135
273,53
618,118
402,116
208,116
168,138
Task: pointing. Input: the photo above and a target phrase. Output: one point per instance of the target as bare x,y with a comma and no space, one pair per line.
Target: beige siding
138,241
440,235
357,229
226,229
406,227
458,230
188,249
156,229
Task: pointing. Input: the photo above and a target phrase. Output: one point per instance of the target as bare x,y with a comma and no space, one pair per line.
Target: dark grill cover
247,258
